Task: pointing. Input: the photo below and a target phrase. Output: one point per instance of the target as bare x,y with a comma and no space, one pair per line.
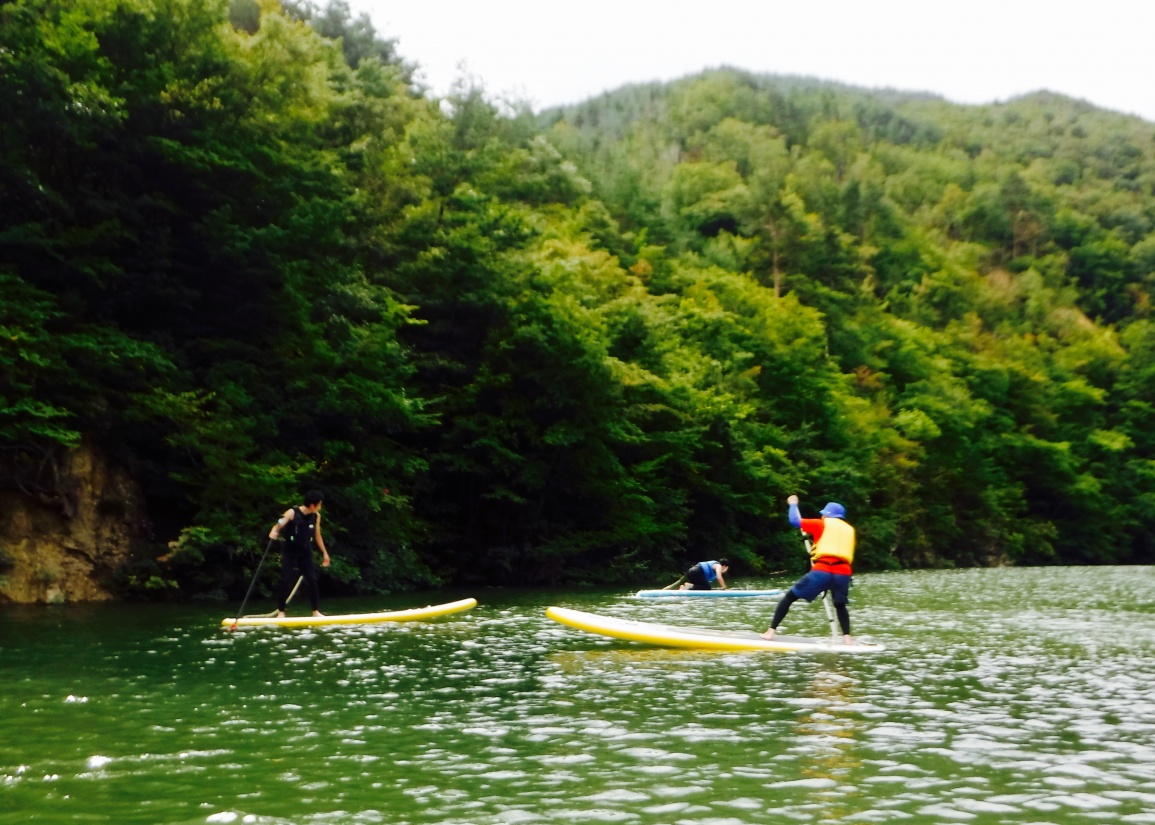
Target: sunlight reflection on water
1004,696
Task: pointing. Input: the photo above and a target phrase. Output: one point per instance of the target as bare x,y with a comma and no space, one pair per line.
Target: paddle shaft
826,598
253,583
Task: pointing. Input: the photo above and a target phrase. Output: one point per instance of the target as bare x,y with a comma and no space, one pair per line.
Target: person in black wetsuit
302,529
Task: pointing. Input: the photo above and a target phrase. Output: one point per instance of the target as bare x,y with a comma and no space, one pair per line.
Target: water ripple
1031,710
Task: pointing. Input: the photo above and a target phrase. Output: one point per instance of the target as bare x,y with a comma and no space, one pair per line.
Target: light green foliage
963,270
603,342
703,198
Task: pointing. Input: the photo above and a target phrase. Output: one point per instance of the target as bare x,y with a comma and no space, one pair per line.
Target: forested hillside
246,256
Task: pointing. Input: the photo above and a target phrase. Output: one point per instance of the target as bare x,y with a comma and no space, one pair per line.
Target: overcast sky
969,51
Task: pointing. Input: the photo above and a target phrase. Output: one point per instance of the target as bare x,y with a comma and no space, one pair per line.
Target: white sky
969,51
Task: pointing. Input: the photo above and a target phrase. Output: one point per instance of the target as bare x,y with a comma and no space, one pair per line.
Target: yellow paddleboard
696,637
412,615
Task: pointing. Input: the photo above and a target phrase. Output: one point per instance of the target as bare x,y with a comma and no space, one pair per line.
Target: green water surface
1004,696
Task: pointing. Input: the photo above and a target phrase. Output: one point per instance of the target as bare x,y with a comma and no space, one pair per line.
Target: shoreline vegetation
243,255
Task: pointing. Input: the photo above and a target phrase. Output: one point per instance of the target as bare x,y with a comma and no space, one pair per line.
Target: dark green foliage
189,243
358,37
242,253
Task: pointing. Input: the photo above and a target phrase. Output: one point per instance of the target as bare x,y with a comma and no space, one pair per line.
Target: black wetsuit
297,555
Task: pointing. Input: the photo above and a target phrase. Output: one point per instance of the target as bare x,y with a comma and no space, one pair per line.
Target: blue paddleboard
715,594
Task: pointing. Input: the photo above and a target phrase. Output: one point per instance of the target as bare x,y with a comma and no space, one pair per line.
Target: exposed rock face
65,549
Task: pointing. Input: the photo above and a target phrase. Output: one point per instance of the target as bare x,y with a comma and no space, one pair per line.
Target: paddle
826,599
252,584
675,584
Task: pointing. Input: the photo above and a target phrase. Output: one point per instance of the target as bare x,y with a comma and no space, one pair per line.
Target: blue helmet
833,510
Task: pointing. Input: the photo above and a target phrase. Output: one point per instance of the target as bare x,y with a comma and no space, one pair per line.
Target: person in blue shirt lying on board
702,574
830,559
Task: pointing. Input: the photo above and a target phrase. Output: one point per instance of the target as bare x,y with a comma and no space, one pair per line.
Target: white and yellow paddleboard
415,614
696,637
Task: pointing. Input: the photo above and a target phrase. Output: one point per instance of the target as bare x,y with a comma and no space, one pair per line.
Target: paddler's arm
809,526
321,543
275,533
794,515
721,580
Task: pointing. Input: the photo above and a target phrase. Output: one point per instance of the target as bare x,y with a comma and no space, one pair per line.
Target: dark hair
724,562
313,497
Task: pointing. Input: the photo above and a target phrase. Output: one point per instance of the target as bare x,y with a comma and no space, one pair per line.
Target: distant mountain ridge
785,84
243,255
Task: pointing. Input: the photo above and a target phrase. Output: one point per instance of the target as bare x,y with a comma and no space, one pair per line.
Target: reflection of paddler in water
830,559
830,727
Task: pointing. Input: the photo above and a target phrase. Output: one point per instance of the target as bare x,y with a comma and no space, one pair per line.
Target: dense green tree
244,254
1006,451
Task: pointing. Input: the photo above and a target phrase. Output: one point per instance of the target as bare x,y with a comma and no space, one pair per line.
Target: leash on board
272,613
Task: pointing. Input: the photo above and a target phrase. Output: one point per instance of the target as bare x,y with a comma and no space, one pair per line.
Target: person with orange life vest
830,558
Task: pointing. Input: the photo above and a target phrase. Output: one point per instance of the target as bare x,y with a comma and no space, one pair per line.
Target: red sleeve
813,526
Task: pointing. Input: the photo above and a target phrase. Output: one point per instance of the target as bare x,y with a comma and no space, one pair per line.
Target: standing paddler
830,559
302,529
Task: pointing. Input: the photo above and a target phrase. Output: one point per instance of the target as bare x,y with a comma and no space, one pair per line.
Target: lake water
1004,696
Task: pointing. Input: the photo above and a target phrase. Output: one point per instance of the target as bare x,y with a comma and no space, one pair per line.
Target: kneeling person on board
302,529
830,559
704,572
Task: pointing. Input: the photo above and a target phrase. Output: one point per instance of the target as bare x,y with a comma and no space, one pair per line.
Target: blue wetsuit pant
814,585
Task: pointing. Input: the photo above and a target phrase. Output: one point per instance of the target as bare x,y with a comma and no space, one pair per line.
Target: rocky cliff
64,547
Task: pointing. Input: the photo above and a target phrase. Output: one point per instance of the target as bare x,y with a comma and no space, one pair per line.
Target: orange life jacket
837,540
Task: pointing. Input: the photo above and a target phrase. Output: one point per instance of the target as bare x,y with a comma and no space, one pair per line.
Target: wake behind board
731,593
697,637
412,615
